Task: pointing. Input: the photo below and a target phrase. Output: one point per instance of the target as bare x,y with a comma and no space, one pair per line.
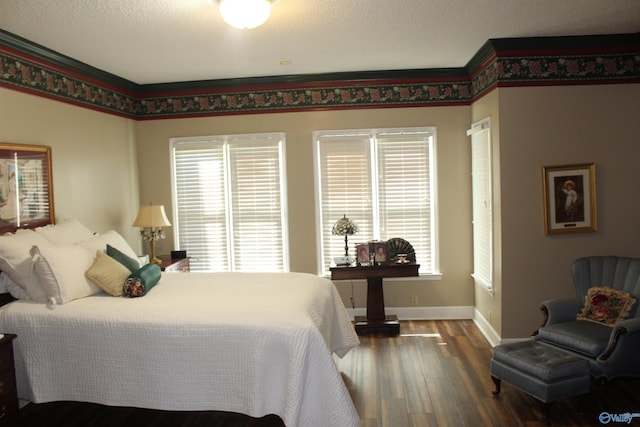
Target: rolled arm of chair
560,310
631,325
627,328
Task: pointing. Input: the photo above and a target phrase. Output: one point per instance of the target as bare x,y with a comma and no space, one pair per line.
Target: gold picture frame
569,194
26,188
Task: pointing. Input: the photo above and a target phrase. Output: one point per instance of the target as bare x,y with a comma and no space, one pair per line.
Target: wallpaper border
609,59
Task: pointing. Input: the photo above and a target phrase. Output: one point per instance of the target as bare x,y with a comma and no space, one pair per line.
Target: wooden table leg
375,299
376,320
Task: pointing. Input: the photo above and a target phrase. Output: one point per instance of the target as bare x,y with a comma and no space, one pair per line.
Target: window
481,171
229,202
382,179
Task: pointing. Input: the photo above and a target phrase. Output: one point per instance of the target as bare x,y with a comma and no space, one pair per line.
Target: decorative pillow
60,271
108,274
606,305
15,261
67,232
130,263
8,285
100,242
141,281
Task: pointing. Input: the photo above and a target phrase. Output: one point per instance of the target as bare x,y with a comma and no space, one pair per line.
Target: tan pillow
108,274
606,305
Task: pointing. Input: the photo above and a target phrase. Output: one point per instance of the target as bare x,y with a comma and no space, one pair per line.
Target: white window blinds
345,188
405,184
383,180
229,197
481,170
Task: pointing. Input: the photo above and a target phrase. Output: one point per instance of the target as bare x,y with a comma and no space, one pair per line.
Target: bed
252,343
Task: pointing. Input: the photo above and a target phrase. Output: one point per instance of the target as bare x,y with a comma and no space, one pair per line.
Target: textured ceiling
159,41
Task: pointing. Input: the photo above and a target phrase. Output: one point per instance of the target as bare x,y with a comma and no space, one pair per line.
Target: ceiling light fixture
245,14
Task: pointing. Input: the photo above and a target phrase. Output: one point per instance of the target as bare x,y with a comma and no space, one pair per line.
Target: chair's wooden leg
497,382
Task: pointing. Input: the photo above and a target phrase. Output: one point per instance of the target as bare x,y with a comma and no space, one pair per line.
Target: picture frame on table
380,252
363,254
569,198
26,187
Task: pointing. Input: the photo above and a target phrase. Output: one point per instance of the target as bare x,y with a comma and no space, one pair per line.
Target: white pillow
15,261
8,285
68,232
100,242
108,274
60,271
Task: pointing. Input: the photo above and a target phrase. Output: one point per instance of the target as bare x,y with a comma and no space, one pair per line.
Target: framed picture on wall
26,190
569,198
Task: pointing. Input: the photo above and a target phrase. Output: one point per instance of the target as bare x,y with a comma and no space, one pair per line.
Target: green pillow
141,281
127,261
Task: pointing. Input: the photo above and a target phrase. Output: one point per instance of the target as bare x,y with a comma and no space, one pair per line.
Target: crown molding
537,61
37,53
305,80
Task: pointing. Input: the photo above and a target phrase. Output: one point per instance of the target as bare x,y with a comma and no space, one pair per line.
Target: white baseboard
489,333
444,313
485,327
422,313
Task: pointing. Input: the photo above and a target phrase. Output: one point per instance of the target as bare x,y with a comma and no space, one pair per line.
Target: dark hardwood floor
436,373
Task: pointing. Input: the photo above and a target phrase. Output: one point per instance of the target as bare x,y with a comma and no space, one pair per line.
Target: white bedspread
256,344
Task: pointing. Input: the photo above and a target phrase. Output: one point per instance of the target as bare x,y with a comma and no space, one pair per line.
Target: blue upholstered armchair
612,351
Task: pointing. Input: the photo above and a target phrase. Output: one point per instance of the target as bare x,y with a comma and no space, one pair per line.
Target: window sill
483,285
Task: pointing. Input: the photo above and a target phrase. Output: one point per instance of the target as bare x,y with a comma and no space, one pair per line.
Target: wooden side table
376,319
8,393
174,265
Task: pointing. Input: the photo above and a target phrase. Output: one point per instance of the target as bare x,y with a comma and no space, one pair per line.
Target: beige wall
92,154
105,165
455,288
547,126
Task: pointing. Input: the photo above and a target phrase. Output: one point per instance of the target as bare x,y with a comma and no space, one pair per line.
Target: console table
376,320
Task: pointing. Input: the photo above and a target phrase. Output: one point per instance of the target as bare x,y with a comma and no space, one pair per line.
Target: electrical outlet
414,300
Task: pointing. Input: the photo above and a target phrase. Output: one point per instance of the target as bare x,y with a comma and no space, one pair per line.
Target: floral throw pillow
606,305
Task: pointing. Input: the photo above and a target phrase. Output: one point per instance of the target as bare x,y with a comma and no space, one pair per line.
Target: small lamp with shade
151,219
345,227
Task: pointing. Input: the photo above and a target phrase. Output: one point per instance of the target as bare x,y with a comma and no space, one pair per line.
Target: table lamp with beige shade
151,219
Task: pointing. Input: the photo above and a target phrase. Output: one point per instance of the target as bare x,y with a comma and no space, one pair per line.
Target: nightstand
8,393
175,265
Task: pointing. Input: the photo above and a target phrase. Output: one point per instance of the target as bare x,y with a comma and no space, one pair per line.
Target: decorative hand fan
397,246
